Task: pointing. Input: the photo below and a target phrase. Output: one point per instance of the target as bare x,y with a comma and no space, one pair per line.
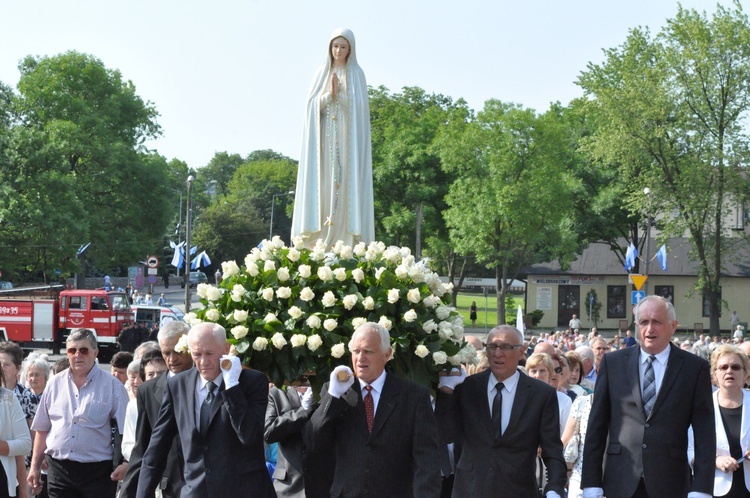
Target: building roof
598,259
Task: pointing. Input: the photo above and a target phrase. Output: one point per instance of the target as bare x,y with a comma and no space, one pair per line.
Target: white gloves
230,371
452,380
307,399
336,387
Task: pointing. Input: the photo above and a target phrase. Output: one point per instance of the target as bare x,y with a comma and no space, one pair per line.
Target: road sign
151,279
636,296
638,280
152,262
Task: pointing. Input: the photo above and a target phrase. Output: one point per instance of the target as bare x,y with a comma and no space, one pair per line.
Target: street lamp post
273,203
646,260
187,245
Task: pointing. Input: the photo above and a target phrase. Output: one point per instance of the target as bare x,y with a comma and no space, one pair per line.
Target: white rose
295,312
251,259
338,350
358,275
350,301
405,252
340,274
439,357
407,260
278,340
402,271
330,324
385,322
431,301
298,241
182,344
314,342
410,316
360,249
413,296
298,340
313,321
265,252
239,315
260,343
371,255
270,318
455,359
337,247
392,255
378,272
443,312
283,292
200,290
329,299
318,254
458,331
213,293
189,317
212,314
421,351
305,271
429,326
393,296
269,265
346,252
267,294
369,303
293,255
239,331
416,274
252,270
283,274
325,273
238,292
306,294
444,332
356,322
229,268
277,242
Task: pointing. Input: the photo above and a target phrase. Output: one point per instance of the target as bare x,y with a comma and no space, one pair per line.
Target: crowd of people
180,416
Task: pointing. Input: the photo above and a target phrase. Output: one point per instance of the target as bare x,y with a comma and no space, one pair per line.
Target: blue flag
630,256
662,256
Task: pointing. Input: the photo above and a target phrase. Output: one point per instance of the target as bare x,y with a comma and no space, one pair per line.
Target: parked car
157,314
196,277
5,285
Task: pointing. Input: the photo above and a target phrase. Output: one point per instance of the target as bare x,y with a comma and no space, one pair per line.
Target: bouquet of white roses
290,310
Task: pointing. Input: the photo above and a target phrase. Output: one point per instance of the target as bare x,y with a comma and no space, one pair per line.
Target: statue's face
340,50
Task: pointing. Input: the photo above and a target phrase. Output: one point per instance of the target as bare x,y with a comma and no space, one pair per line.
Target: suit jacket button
645,446
647,426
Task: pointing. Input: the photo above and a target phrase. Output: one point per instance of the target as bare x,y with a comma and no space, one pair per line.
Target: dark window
616,301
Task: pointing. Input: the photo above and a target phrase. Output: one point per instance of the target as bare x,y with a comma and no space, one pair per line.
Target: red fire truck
42,317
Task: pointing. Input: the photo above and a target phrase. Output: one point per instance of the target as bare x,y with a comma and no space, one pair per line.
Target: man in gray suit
218,414
501,417
382,427
645,400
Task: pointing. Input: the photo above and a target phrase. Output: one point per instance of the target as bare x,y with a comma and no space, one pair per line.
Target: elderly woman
334,199
15,440
730,368
541,366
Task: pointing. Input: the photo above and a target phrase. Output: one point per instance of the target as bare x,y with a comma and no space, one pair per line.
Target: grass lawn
489,319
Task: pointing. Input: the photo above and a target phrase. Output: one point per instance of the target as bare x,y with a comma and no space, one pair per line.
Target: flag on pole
661,254
630,256
177,259
201,260
519,320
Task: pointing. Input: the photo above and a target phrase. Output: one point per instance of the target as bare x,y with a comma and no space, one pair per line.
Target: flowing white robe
333,199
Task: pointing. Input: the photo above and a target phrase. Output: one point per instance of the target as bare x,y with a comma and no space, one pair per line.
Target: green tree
673,108
511,198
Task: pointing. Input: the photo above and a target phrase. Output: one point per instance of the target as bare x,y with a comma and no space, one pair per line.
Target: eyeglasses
503,347
558,370
84,351
734,366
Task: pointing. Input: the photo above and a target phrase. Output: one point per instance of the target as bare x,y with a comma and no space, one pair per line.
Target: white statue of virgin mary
333,200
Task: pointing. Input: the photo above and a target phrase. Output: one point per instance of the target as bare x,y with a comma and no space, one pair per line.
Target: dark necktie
369,408
206,407
649,386
497,409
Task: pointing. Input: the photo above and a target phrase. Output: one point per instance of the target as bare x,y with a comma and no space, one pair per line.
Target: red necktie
369,408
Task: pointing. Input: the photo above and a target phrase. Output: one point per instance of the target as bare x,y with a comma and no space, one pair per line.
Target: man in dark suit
382,427
149,398
286,417
645,399
218,414
501,417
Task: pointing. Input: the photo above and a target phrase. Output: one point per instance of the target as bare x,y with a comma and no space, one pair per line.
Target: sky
233,75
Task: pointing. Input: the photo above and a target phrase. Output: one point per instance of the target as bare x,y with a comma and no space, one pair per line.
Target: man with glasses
501,417
73,425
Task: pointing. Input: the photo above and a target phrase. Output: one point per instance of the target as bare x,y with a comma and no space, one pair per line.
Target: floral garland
292,310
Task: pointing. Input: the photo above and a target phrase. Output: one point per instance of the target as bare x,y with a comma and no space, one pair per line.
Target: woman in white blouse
15,439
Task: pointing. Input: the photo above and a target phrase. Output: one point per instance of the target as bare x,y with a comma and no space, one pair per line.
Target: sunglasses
734,366
558,370
73,351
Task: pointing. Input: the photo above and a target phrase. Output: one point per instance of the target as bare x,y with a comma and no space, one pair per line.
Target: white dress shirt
200,395
509,394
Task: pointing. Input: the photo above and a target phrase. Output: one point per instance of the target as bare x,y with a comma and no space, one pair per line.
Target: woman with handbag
573,438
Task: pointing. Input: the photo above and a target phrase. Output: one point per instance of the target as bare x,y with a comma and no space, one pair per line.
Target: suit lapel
674,365
633,375
191,381
159,388
218,401
386,404
293,397
480,394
